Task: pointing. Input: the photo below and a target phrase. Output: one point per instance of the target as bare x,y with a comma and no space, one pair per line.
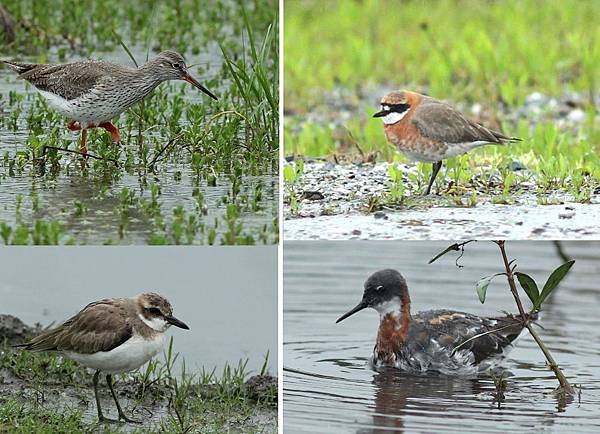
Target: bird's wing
70,80
100,326
484,337
439,121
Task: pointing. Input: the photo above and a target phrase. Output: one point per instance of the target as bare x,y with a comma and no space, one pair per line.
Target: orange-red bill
195,83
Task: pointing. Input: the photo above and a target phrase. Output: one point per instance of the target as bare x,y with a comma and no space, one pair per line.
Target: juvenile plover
112,336
444,341
428,130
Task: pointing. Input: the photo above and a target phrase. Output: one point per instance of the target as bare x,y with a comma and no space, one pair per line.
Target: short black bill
381,113
195,83
362,305
174,321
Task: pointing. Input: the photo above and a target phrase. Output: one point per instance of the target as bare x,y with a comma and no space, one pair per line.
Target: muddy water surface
329,388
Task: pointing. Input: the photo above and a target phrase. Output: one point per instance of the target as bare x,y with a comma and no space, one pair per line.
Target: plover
91,93
444,341
428,130
112,336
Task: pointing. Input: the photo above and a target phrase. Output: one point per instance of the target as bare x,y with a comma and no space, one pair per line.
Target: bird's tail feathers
19,68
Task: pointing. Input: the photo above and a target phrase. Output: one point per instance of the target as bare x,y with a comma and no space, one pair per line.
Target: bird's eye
379,288
176,65
154,310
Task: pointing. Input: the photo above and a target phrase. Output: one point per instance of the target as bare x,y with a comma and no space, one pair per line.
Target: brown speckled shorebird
91,93
426,129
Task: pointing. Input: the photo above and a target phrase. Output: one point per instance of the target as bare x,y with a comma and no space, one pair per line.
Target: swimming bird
91,93
112,336
429,130
443,341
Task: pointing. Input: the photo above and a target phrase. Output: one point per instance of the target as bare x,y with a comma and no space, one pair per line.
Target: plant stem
562,380
564,383
511,280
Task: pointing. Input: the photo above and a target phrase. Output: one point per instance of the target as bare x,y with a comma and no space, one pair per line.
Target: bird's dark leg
114,395
436,168
101,417
112,129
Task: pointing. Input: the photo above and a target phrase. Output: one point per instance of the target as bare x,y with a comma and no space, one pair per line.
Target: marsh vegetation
189,170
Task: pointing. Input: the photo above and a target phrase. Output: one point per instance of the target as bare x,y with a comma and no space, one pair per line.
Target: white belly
452,150
89,109
126,357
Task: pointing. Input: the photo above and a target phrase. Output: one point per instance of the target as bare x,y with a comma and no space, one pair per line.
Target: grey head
170,65
381,288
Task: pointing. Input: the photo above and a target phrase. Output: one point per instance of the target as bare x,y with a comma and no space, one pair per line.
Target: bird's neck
393,330
150,75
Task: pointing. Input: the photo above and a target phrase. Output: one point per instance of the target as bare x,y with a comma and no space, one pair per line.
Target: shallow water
328,386
216,292
486,221
347,189
100,224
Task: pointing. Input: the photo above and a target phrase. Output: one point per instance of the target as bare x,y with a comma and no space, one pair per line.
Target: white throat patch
393,117
392,306
158,324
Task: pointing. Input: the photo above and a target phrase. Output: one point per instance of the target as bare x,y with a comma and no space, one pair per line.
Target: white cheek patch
158,324
393,117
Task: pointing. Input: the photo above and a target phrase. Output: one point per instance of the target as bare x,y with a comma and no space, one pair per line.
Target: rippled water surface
329,388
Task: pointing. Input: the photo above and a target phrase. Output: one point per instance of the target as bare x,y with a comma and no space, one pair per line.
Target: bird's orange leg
82,145
83,148
74,126
112,129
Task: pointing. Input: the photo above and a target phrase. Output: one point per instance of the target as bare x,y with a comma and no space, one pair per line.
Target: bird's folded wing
439,121
68,81
98,327
485,337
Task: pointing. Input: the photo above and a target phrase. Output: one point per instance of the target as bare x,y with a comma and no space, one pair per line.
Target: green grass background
468,50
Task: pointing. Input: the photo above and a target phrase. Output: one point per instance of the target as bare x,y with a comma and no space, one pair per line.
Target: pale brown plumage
112,335
100,326
429,130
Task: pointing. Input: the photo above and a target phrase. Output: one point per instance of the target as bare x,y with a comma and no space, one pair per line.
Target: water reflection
394,392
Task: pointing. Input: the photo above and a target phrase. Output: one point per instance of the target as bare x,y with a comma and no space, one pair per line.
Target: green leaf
481,287
289,174
529,286
453,248
553,281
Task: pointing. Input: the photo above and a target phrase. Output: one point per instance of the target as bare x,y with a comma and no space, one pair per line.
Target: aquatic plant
537,297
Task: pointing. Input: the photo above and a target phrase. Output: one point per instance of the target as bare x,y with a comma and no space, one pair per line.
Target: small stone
380,215
515,166
576,115
356,232
536,98
312,195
